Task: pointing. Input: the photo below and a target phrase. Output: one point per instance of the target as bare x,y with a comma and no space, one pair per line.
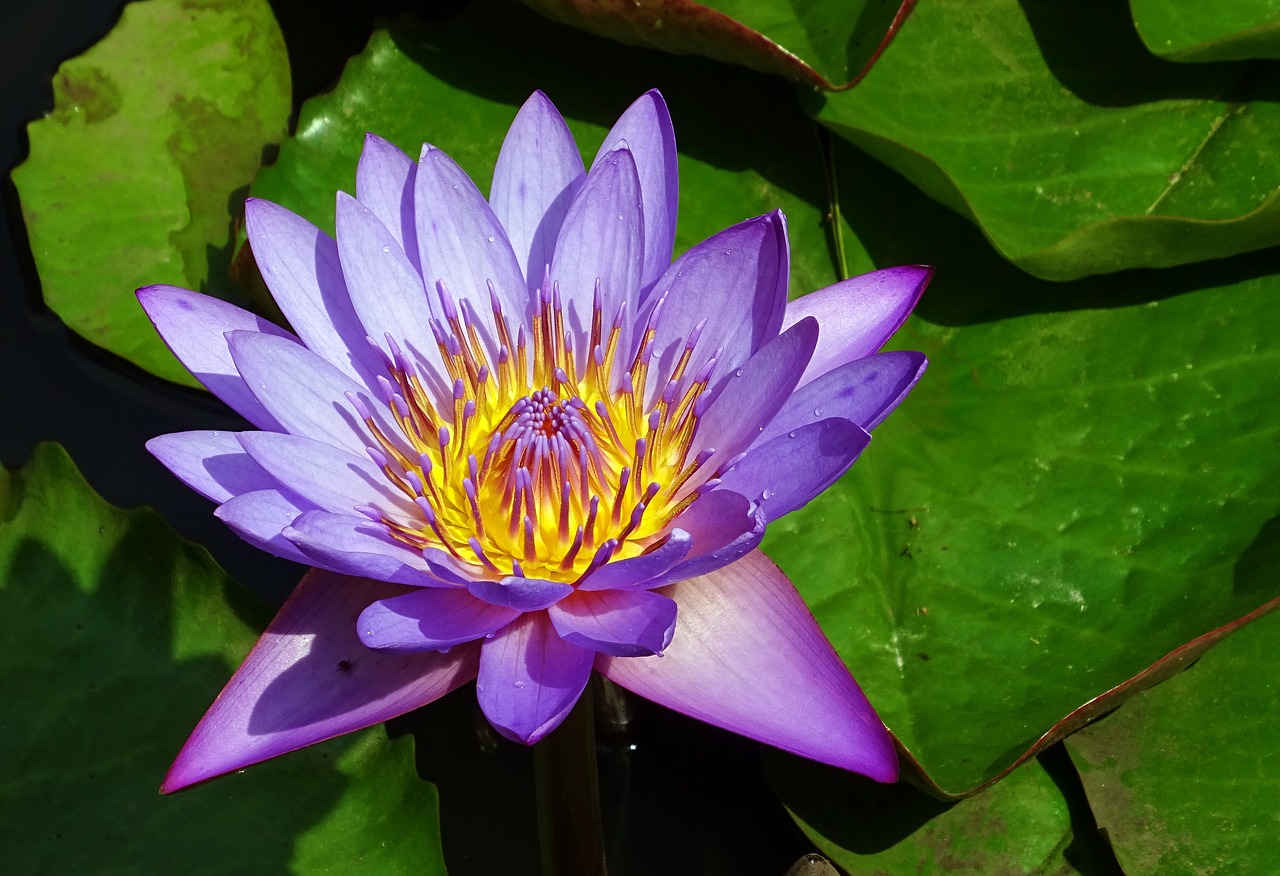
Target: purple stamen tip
358,403
415,482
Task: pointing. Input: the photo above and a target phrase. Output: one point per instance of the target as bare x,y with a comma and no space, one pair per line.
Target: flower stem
569,821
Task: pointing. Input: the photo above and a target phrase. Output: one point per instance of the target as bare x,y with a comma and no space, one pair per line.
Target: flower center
526,468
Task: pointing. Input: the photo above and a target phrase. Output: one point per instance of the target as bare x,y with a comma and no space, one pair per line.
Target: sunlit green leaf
1204,30
1076,152
117,636
139,173
1184,779
1021,825
1071,492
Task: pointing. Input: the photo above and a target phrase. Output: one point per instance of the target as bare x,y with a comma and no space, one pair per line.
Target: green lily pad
1070,493
139,173
118,634
828,44
1022,825
744,148
1184,779
1072,161
1202,30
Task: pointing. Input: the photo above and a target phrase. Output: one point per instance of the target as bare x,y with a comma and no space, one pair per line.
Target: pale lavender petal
461,241
305,394
431,620
358,546
752,396
640,572
724,527
211,463
309,679
330,478
602,241
858,315
645,128
299,264
522,594
384,184
748,656
864,391
623,623
786,473
386,290
735,281
193,326
261,517
530,678
538,172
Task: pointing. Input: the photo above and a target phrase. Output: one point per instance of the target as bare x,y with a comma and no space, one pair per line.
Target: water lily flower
518,443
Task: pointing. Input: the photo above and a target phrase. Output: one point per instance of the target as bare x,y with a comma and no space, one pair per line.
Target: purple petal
530,678
309,678
211,463
384,184
358,546
724,527
737,281
858,315
330,478
522,594
623,623
299,264
538,172
450,569
645,128
752,395
305,394
386,289
641,572
261,517
864,391
431,620
785,473
748,656
193,326
602,240
461,241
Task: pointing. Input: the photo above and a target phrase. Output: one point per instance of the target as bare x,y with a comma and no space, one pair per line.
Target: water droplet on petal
519,684
817,412
767,495
492,238
386,249
740,372
791,434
